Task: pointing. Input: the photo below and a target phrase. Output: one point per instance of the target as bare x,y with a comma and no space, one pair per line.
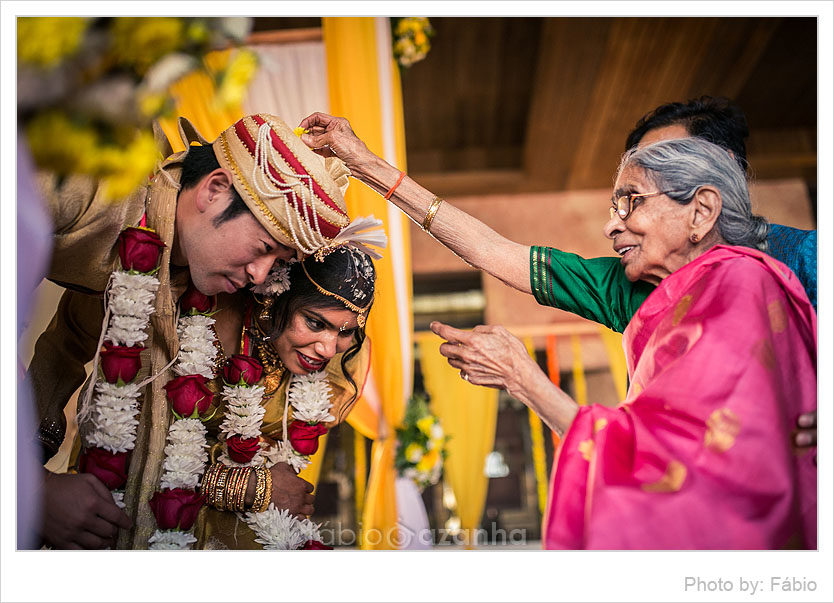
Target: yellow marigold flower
76,143
136,164
429,460
299,131
197,32
44,41
420,38
413,452
424,424
236,77
141,41
152,104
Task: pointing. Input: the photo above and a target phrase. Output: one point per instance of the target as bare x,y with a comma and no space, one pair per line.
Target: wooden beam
285,36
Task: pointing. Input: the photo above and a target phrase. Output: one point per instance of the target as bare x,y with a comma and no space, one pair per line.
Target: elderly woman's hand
805,436
487,355
491,356
332,136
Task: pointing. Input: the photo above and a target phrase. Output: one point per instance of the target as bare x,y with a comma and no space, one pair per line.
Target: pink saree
721,360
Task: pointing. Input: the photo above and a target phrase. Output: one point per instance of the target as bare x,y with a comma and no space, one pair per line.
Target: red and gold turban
296,195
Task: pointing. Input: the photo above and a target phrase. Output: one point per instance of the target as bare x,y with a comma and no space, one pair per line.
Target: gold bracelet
260,488
233,488
220,490
267,489
435,205
229,488
240,502
209,482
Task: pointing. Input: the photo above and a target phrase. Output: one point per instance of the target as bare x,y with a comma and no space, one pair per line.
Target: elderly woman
721,360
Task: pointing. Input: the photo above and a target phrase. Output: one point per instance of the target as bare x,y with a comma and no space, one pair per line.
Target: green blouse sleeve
596,289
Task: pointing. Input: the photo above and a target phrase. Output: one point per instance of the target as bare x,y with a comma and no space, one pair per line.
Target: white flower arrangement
280,531
171,540
130,301
112,423
197,350
185,455
310,398
278,279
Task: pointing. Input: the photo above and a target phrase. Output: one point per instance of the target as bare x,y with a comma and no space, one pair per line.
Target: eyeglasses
623,206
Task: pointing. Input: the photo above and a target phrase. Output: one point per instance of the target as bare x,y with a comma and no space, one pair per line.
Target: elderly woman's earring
694,237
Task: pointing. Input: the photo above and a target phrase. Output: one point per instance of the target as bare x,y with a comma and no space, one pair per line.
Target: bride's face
313,336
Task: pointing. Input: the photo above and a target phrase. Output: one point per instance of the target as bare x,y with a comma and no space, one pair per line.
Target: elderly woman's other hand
332,136
805,435
491,356
487,355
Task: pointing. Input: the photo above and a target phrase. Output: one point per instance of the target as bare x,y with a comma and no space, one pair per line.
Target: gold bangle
220,490
244,485
435,205
233,488
260,488
230,488
267,489
209,483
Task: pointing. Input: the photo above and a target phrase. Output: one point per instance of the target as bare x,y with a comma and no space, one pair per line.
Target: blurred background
520,122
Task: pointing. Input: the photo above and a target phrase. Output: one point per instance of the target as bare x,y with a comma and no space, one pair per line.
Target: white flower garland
309,396
280,531
186,453
110,422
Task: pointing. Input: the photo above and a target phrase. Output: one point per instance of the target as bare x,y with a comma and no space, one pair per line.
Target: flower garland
309,396
176,505
240,431
421,445
109,423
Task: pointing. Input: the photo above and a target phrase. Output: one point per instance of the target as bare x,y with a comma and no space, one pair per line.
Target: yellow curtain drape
469,415
616,360
537,443
194,94
352,52
580,387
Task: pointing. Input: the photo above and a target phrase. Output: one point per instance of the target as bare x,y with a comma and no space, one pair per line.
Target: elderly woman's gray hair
683,165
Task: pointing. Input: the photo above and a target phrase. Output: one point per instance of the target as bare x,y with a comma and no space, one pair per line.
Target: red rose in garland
242,450
120,362
188,394
139,249
176,509
243,367
109,467
192,301
304,437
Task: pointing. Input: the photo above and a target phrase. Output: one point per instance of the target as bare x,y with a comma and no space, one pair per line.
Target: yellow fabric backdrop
537,442
354,89
469,415
616,360
193,94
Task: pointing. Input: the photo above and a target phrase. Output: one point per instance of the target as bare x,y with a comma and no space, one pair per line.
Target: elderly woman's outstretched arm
469,238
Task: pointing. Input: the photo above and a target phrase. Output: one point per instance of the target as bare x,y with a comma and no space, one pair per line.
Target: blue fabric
797,249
